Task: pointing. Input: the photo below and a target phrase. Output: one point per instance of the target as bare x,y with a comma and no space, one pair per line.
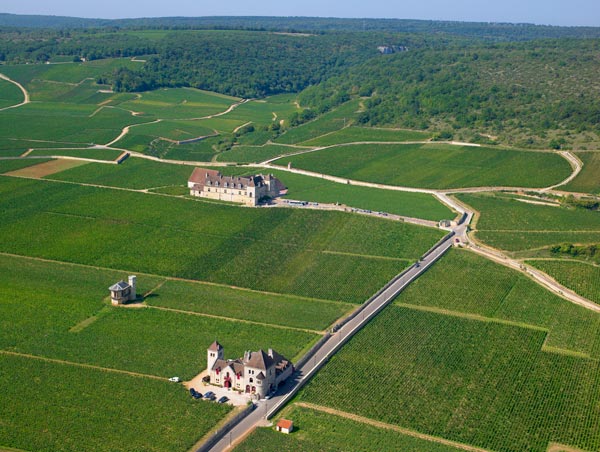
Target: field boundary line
87,366
368,256
233,319
26,99
557,259
470,316
176,279
396,428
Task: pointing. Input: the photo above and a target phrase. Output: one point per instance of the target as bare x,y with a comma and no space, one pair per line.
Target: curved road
23,90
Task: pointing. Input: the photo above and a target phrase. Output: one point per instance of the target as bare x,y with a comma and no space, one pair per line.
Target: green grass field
316,254
482,383
513,225
587,181
48,407
358,134
583,278
318,431
435,165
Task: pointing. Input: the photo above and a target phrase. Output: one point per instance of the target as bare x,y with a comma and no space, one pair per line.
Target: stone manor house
256,373
247,190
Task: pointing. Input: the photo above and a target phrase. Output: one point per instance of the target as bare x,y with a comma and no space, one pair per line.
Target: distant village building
285,426
247,190
386,50
257,373
122,292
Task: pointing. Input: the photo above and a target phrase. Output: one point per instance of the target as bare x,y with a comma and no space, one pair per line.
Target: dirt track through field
383,425
23,90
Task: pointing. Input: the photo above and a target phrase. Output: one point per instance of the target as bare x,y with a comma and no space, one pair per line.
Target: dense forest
486,83
483,30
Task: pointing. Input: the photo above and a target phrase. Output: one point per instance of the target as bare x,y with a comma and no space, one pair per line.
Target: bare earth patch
47,168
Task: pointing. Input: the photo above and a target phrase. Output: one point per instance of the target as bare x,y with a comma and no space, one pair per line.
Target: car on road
223,399
210,395
175,379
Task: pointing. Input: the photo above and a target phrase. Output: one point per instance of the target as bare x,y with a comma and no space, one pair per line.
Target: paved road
267,408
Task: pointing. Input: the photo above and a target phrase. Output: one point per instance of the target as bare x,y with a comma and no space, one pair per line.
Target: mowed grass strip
464,283
94,154
480,383
435,166
62,312
513,225
50,406
261,307
326,255
583,278
319,431
588,180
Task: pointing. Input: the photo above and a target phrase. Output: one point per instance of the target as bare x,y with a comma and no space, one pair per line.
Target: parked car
223,399
197,395
175,379
210,395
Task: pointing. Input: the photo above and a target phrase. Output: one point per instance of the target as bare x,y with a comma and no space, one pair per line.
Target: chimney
270,352
132,294
246,356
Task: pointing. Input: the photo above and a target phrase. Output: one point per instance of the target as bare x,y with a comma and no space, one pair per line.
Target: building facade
257,373
123,292
248,190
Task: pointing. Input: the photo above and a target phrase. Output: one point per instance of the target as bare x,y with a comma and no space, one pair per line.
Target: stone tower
214,352
132,283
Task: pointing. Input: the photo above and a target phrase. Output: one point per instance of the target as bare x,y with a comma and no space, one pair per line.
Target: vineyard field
513,226
50,317
481,383
136,173
50,406
435,166
587,181
581,277
308,253
7,166
331,121
247,305
366,134
318,431
464,283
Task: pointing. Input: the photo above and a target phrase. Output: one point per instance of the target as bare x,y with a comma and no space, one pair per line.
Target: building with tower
257,373
249,190
123,292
